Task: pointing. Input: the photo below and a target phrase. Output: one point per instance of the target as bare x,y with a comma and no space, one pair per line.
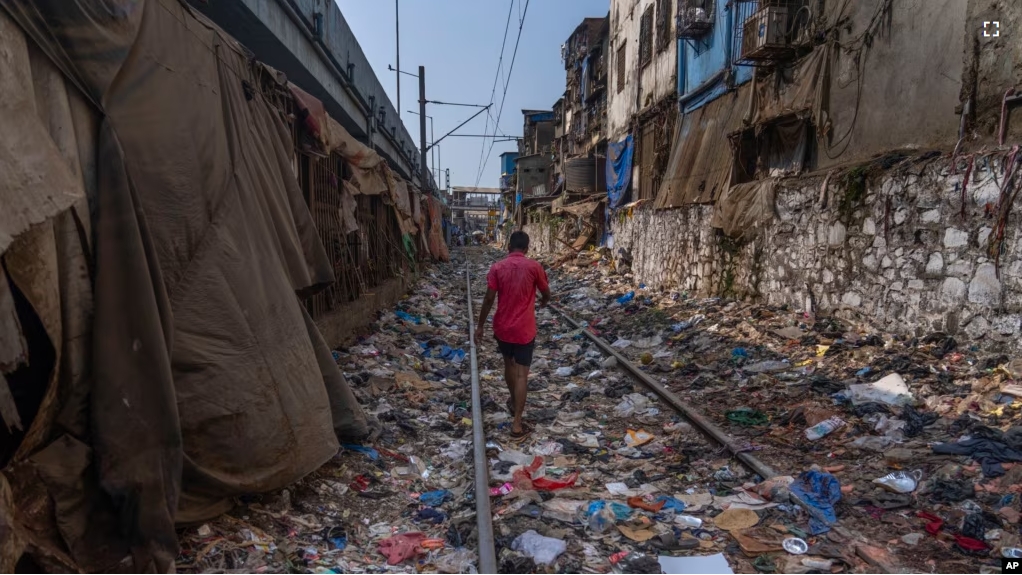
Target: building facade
825,155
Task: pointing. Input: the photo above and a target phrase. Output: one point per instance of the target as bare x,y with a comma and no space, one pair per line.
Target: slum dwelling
177,218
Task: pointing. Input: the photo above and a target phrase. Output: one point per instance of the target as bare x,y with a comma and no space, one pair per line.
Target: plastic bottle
688,521
823,428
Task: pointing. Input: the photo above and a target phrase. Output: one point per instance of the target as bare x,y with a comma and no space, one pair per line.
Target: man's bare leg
518,396
510,373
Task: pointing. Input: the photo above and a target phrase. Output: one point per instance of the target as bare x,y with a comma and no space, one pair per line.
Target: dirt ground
621,479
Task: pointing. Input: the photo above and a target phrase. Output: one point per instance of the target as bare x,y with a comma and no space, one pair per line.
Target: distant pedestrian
514,281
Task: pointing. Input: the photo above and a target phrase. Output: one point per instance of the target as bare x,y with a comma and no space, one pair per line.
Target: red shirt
516,279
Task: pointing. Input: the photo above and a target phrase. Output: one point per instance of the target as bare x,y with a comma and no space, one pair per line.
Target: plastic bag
563,372
890,390
630,404
460,561
635,438
542,550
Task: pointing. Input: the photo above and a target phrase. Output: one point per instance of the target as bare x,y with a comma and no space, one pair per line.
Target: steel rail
697,419
484,517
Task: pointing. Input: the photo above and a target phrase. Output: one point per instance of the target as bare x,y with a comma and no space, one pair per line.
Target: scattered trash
889,390
734,519
821,491
824,428
795,546
435,498
912,539
747,416
709,564
636,438
900,481
688,521
542,550
369,452
400,548
597,475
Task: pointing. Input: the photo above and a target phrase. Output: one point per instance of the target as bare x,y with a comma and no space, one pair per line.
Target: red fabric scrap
969,544
401,547
935,523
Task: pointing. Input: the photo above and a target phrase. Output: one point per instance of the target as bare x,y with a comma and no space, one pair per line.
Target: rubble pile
902,450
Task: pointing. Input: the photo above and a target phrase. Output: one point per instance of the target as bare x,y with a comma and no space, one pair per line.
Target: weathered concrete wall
533,174
906,259
643,87
541,239
993,62
914,58
342,325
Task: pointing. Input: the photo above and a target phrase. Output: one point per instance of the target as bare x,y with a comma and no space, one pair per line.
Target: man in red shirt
514,281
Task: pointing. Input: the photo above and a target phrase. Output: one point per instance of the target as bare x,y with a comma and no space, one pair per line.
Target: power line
493,92
503,97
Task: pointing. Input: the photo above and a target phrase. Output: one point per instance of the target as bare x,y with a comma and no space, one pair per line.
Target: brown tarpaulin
437,244
803,90
701,157
208,378
743,208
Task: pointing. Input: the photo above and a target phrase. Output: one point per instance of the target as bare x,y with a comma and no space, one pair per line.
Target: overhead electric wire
493,92
503,97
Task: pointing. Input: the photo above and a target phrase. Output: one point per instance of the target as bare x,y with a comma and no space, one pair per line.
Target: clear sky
459,43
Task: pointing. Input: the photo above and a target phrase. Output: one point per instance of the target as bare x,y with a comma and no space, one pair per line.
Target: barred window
663,25
646,37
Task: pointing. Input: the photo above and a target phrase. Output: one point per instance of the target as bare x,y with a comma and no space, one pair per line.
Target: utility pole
397,39
422,128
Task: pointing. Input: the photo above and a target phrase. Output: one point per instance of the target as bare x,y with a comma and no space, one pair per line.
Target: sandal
526,431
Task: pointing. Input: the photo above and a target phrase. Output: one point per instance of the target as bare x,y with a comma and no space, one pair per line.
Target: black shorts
521,352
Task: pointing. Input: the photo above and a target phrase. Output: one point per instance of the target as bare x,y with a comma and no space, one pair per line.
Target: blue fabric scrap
368,451
822,491
435,498
671,503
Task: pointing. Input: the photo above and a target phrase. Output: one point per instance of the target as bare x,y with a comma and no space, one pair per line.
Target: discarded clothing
951,490
934,523
916,420
435,498
822,491
987,452
401,547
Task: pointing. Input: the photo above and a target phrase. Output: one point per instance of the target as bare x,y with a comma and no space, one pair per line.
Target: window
621,67
646,37
663,25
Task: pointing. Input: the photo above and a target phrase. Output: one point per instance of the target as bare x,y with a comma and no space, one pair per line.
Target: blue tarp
619,171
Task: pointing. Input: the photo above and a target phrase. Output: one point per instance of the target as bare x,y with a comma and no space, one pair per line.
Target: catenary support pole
422,129
397,41
484,517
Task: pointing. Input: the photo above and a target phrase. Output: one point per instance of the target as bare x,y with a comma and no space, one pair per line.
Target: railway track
713,434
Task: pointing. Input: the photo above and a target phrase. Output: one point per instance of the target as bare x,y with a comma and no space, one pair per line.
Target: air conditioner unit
695,18
764,35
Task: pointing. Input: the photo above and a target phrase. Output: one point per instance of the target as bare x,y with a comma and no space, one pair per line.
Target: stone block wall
910,257
900,255
541,239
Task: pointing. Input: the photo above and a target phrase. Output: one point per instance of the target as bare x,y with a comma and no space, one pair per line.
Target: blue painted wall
540,117
507,163
699,60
